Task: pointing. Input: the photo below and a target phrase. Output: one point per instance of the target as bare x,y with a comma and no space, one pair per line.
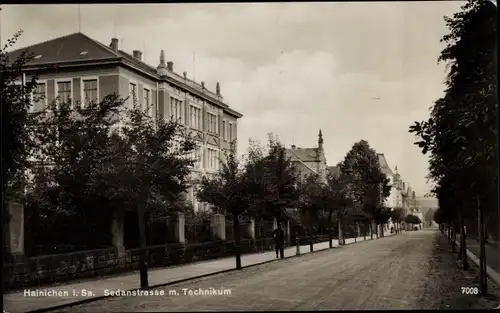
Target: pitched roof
65,49
305,154
334,170
409,191
138,63
300,163
78,47
290,153
384,167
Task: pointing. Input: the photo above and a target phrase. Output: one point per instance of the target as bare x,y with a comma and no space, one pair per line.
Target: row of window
64,93
227,131
133,100
196,122
90,93
176,110
213,160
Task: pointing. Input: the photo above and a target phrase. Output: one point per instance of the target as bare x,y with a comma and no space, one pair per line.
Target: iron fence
199,232
264,228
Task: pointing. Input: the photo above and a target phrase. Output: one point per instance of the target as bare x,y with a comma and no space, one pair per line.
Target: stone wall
20,271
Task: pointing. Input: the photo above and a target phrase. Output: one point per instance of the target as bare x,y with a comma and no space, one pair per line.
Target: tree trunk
482,252
463,244
371,229
341,233
143,267
330,229
311,247
460,232
453,237
237,240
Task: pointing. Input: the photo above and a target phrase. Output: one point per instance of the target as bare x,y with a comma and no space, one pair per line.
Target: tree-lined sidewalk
492,252
461,134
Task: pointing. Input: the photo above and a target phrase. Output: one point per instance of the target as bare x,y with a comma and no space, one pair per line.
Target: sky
355,70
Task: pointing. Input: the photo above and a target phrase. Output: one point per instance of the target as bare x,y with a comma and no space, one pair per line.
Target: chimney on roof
217,89
185,74
137,54
170,66
114,44
293,147
203,85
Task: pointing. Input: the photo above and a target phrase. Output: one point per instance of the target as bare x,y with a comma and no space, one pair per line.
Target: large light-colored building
78,68
401,195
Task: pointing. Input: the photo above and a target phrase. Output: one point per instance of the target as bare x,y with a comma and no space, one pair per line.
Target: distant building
391,200
309,160
401,195
83,69
409,200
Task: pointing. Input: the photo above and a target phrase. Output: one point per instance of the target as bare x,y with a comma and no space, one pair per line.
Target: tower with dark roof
320,140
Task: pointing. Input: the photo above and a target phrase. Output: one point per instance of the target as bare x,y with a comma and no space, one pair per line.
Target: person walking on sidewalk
279,240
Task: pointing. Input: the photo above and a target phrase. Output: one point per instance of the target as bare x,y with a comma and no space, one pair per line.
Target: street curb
97,298
491,273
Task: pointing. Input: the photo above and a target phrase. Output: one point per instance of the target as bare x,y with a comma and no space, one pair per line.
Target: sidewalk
18,302
492,257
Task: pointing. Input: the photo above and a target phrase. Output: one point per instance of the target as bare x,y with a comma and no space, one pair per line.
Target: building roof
334,170
409,192
305,154
66,49
290,153
384,167
77,48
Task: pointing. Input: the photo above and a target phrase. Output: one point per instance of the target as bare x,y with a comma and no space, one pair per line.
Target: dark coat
279,236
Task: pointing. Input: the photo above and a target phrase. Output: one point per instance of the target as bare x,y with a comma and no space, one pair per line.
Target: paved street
412,271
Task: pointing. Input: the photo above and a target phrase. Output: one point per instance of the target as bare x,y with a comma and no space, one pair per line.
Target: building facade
80,69
402,195
309,160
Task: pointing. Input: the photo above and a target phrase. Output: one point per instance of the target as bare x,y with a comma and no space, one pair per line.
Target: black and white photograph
267,156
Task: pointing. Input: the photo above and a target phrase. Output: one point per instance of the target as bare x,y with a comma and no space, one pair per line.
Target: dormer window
84,52
38,57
